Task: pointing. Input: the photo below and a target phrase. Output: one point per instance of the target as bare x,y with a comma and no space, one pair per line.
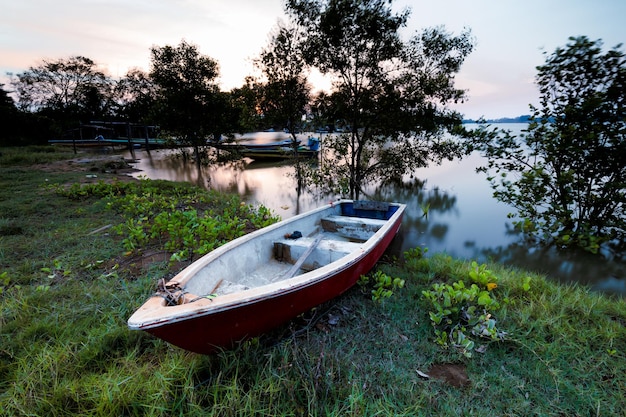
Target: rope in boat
174,294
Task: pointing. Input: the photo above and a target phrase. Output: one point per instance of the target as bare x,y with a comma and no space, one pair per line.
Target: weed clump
464,311
185,221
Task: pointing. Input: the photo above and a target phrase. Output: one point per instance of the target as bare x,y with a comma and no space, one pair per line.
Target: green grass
65,348
20,156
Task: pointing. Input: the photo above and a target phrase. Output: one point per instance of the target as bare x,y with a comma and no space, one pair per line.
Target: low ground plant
380,285
465,310
185,221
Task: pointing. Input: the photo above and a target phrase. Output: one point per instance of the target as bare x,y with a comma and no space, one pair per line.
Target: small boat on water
261,280
269,145
278,150
279,153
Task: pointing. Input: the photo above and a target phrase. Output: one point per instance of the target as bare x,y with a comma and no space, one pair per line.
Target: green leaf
484,299
435,318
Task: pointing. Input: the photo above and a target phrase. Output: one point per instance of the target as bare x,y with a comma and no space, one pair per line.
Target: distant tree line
526,118
180,90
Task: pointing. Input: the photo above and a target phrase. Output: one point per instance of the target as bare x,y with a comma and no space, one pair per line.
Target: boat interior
281,256
341,236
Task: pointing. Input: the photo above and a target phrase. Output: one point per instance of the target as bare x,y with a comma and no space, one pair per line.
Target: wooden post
80,135
147,139
130,143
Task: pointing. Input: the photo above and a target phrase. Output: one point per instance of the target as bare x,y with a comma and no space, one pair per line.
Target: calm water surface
463,220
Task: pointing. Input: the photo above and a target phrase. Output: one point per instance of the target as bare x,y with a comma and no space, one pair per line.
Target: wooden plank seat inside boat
325,252
342,234
357,228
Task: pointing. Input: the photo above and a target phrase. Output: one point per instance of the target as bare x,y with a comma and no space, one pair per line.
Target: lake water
463,220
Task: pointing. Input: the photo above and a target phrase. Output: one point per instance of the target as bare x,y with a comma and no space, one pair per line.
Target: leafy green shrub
464,311
184,220
380,285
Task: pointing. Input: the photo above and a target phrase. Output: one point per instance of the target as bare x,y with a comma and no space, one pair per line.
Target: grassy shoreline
69,284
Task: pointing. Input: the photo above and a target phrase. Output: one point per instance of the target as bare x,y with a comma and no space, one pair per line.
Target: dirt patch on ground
451,374
138,263
105,168
109,164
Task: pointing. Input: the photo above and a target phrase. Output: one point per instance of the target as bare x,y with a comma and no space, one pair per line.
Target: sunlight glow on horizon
118,36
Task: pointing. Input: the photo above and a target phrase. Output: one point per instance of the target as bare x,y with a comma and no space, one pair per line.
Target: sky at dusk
511,37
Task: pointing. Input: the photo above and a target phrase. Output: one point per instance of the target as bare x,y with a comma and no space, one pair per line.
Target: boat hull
274,151
210,327
278,154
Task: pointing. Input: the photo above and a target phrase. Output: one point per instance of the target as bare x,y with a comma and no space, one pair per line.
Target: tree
136,97
20,128
246,100
566,174
389,94
8,118
66,89
6,102
286,93
190,103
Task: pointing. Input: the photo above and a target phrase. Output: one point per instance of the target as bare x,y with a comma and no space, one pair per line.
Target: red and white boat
263,279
